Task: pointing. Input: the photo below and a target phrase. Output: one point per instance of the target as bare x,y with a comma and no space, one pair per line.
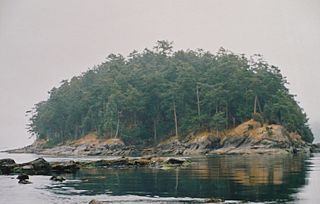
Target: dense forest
156,93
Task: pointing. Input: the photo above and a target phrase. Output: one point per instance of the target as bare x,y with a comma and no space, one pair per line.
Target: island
152,107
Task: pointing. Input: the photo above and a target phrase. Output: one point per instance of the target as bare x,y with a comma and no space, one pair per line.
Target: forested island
147,97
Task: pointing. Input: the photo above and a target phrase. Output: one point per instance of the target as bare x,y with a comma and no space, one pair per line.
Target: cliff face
249,137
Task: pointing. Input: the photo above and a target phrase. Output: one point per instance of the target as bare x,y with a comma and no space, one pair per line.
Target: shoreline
250,137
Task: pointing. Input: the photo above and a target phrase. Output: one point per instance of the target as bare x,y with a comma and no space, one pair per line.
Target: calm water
256,179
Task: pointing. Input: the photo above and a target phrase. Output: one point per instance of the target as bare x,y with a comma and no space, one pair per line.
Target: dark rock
24,182
35,167
7,166
65,167
142,162
7,162
177,161
57,178
23,177
315,148
41,166
213,200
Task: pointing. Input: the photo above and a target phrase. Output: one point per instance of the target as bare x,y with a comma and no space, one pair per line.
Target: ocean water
237,178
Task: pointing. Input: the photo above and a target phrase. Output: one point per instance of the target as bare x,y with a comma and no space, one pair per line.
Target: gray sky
44,42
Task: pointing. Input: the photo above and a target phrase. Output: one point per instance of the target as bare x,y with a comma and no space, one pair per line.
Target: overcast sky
44,42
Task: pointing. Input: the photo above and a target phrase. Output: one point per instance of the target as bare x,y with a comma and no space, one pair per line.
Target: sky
45,42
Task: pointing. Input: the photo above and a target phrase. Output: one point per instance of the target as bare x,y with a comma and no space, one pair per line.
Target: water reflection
251,178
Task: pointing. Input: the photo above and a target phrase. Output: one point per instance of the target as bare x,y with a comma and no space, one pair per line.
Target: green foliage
218,121
134,98
258,117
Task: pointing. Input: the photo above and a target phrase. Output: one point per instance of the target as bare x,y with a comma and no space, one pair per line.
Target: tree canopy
157,93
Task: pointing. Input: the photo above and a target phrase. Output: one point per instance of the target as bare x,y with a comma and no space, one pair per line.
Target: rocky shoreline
42,167
250,137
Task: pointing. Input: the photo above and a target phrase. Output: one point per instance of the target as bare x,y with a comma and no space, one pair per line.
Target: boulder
7,166
7,162
25,182
315,148
23,177
36,167
175,161
57,178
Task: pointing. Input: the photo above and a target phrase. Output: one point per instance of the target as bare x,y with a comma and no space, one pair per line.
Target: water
255,179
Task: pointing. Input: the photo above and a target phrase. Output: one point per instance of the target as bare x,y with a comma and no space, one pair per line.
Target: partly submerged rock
7,166
22,177
24,182
7,162
35,167
175,161
57,178
315,148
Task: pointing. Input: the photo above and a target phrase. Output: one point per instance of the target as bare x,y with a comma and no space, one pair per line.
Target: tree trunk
175,118
227,118
155,131
118,124
255,105
198,102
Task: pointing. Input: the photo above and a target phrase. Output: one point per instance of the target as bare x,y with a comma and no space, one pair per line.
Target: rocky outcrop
42,167
249,137
35,167
89,145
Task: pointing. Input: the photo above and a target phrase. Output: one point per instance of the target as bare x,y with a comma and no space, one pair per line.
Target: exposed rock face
89,145
247,138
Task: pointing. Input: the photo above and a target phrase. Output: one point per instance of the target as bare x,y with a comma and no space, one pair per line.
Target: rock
35,167
57,178
23,177
7,166
7,162
95,202
315,148
175,161
25,182
142,162
214,200
65,167
41,166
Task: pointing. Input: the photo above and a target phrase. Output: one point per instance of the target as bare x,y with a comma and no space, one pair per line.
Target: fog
44,42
